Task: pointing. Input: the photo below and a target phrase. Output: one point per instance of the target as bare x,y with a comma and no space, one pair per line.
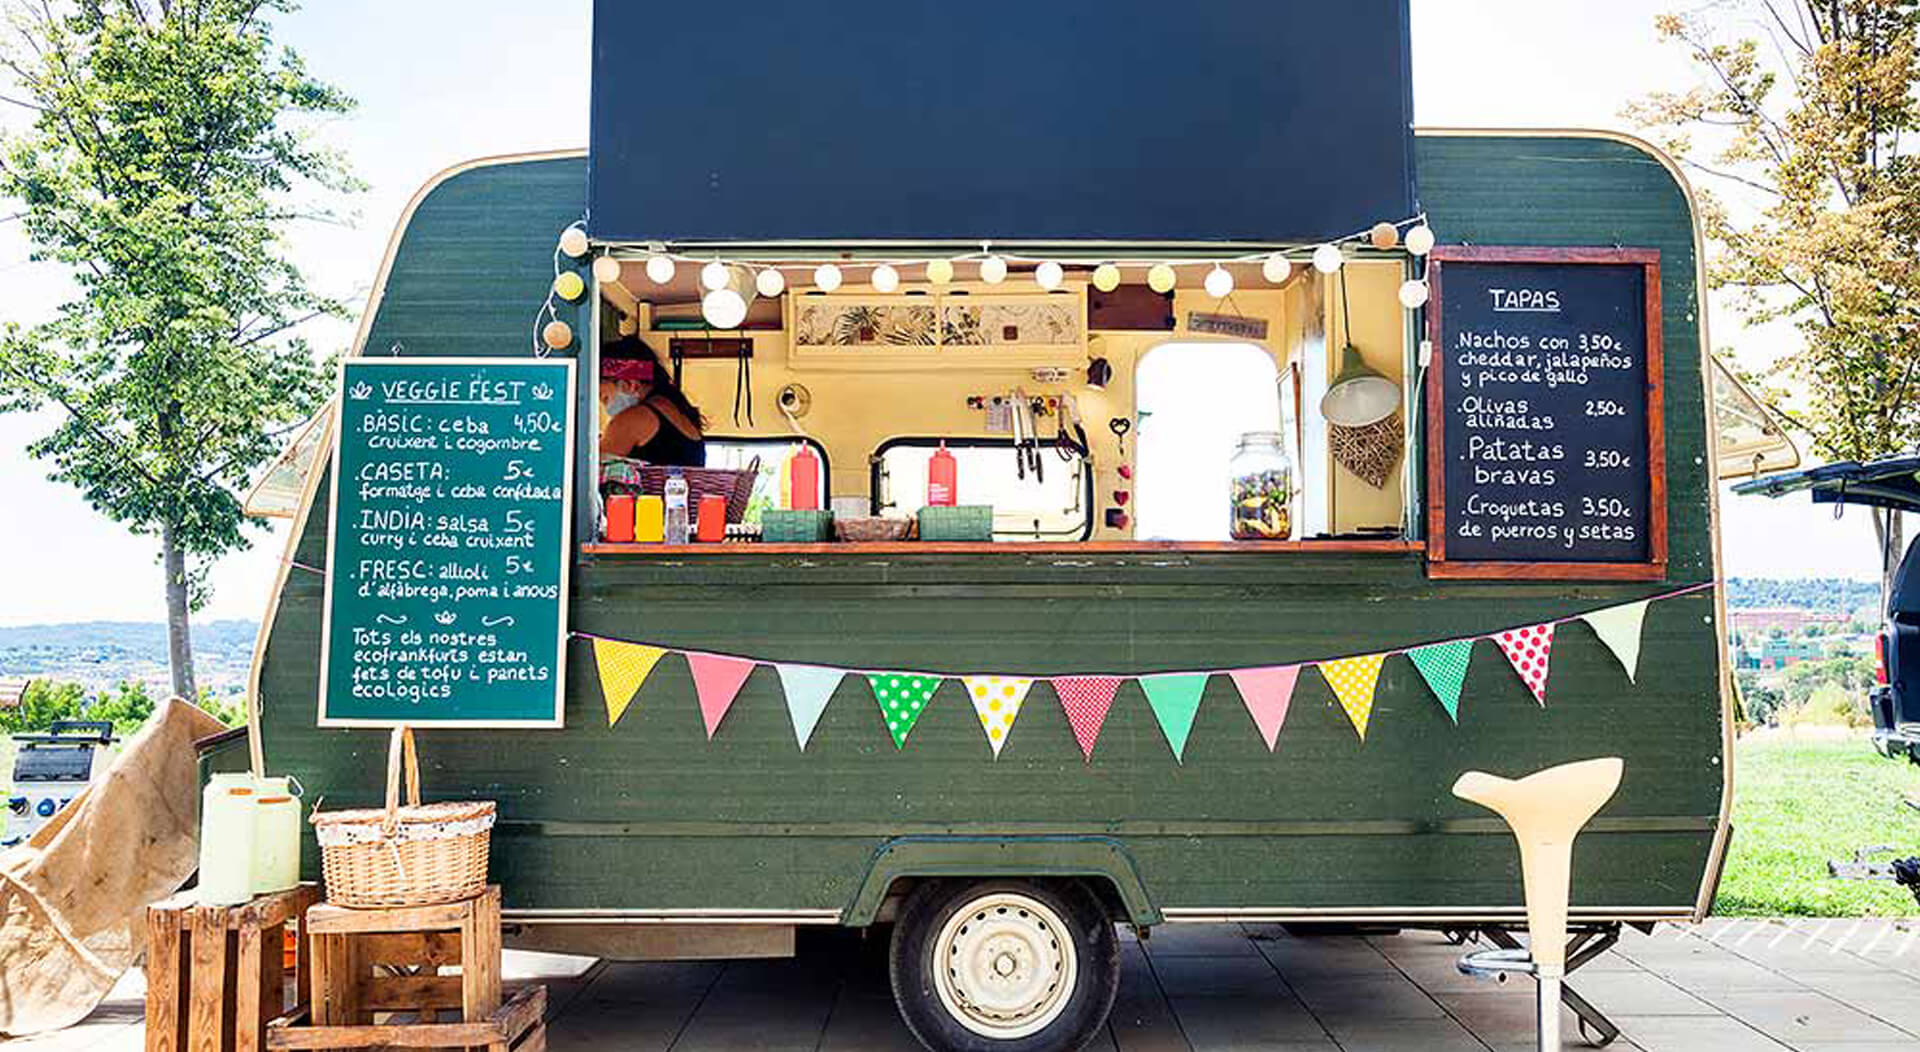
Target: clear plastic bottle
678,521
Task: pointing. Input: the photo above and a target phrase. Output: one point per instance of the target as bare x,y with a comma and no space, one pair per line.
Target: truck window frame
929,442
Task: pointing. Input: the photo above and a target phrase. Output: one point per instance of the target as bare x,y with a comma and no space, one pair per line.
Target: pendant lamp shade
1359,394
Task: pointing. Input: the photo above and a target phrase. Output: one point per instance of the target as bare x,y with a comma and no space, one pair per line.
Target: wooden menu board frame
563,546
1438,565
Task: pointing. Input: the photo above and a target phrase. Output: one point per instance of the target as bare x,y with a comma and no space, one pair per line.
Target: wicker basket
624,475
416,855
872,529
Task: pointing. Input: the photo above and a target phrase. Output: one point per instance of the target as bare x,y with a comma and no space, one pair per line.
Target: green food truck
1004,472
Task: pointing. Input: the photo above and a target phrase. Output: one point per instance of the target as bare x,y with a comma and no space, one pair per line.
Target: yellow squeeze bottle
649,519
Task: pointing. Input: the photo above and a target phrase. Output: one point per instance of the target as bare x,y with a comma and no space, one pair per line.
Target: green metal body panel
651,816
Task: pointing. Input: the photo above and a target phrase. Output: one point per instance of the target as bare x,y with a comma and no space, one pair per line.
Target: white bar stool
1545,810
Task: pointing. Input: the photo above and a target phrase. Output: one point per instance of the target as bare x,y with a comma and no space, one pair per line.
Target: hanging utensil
1075,445
1019,452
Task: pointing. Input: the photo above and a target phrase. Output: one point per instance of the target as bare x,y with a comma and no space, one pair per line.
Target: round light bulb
1106,277
568,286
1327,259
826,277
993,270
885,278
1413,294
573,241
1420,240
1048,275
557,335
770,282
606,270
1219,283
1160,278
659,269
1277,268
1384,235
940,271
723,308
713,276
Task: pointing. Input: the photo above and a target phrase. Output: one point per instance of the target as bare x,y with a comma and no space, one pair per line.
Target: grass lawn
1797,804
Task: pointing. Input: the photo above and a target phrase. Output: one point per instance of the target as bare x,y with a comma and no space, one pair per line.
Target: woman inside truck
645,416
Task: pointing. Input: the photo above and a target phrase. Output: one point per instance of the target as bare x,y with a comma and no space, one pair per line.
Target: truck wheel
1004,965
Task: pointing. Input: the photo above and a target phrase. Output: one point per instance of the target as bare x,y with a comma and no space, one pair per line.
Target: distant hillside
100,654
1836,594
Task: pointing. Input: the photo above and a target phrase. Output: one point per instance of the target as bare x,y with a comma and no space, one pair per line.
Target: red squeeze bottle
712,520
943,478
803,480
620,518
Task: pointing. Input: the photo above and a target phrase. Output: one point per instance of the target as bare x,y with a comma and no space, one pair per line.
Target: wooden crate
517,1026
368,961
216,974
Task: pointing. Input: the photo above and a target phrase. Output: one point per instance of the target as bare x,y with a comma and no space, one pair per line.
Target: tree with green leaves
1803,129
164,150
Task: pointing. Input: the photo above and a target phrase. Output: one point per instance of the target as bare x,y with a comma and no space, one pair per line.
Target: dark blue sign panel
917,119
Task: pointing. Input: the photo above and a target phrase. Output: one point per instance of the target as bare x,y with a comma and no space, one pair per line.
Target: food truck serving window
1036,493
770,457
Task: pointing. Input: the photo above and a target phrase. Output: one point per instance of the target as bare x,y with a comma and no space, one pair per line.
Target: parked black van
1892,483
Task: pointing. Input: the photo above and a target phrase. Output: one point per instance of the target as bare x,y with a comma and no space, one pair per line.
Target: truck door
1893,483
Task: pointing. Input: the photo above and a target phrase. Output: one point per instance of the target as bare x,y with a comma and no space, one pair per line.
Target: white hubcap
1004,965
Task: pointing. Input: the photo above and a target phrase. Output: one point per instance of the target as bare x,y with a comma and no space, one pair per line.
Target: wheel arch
1103,862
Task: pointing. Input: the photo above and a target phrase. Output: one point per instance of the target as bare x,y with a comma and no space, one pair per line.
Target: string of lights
728,286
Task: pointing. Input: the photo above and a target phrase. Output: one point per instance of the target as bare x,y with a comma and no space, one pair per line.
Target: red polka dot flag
1086,699
1530,650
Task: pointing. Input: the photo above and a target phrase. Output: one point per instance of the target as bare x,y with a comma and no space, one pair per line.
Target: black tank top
670,447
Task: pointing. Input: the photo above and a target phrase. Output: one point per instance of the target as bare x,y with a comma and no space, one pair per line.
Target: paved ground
1727,986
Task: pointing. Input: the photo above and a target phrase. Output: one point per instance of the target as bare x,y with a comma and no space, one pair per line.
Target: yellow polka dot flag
1353,680
623,668
997,700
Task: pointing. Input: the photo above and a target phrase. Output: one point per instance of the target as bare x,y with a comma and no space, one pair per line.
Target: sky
441,81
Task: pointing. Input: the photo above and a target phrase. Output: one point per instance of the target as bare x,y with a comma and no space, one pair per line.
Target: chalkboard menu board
446,562
1544,417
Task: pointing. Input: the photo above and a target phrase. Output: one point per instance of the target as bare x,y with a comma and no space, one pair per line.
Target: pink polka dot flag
1529,649
1086,699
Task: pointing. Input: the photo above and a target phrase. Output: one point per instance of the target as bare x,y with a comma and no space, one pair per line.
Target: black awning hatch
1890,482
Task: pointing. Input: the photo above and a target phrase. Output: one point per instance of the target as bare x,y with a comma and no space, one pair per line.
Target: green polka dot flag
903,696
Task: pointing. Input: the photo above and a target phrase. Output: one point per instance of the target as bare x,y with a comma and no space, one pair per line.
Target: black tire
1096,964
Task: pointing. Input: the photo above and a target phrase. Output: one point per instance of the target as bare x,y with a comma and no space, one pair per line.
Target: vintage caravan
1220,467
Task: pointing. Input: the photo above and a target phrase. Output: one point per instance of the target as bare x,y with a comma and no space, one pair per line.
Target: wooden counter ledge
1005,548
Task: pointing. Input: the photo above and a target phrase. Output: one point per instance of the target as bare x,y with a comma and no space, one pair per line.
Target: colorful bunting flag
997,701
1265,692
716,679
1530,651
1444,667
623,668
1353,680
1086,700
808,688
903,696
1175,699
1619,628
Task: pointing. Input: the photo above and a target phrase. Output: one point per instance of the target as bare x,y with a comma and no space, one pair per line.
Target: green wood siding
650,815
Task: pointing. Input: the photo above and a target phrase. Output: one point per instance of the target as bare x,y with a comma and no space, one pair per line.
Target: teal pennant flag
1175,698
1444,667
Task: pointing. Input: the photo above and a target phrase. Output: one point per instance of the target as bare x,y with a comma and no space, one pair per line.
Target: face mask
621,402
